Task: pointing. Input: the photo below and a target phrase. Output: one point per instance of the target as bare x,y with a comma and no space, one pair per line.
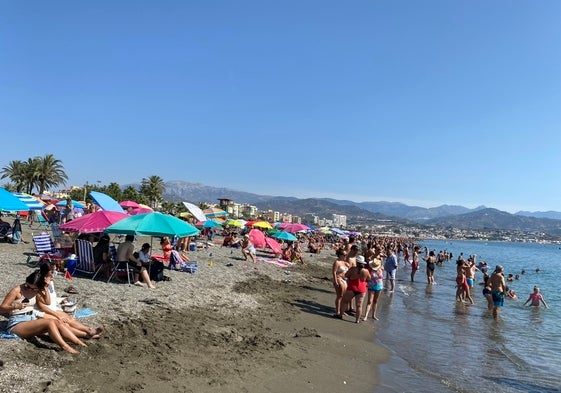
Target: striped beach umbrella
32,202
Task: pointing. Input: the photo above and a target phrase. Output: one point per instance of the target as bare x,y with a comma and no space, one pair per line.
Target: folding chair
85,263
177,263
120,266
45,248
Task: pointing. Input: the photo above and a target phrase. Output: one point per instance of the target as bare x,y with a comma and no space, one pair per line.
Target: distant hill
358,212
548,214
496,219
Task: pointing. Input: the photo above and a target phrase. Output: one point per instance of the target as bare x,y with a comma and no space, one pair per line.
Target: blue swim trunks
498,298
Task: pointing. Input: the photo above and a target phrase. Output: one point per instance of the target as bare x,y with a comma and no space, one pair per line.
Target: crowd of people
364,268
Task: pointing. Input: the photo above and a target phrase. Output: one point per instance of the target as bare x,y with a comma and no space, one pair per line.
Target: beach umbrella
93,222
285,236
153,224
273,245
257,238
195,211
105,201
33,203
140,210
127,204
10,202
233,223
261,224
74,204
211,224
215,212
292,227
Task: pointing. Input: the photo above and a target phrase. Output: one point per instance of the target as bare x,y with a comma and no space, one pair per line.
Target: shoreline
228,328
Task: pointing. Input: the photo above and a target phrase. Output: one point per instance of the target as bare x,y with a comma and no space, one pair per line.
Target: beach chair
120,266
177,263
45,248
42,220
85,263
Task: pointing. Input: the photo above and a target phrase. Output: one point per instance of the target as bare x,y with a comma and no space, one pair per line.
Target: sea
440,345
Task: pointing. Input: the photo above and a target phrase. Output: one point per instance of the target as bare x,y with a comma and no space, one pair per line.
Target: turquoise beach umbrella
153,224
285,236
10,202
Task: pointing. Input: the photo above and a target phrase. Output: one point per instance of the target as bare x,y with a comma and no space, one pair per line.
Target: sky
420,102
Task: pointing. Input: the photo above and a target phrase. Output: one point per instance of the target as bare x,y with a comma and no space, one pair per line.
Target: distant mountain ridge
445,215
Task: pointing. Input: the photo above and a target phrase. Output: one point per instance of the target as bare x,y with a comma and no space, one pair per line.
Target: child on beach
536,298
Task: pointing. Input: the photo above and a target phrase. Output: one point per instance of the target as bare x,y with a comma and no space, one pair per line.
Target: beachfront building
296,220
271,216
249,211
340,220
286,217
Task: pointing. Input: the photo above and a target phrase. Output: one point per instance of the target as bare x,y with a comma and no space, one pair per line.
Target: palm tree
16,170
48,172
152,188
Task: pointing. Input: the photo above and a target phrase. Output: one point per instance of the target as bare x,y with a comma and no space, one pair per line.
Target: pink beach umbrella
93,222
126,204
140,210
257,238
273,245
292,228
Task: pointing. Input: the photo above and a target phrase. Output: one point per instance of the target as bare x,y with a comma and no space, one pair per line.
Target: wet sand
238,328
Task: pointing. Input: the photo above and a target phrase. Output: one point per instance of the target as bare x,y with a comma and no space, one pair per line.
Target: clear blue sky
421,102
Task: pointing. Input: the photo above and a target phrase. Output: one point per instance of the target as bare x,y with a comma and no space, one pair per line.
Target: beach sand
239,328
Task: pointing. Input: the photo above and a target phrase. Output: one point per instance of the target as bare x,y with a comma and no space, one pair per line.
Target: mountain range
461,217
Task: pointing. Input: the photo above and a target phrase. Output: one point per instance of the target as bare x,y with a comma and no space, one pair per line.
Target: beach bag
157,271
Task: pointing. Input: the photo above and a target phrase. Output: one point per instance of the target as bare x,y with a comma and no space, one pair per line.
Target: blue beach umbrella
74,204
211,224
31,202
285,236
106,202
153,224
10,202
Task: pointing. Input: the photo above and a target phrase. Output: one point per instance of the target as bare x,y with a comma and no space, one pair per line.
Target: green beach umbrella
153,224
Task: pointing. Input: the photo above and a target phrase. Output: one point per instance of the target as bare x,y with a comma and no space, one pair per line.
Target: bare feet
69,349
364,318
96,333
374,317
139,284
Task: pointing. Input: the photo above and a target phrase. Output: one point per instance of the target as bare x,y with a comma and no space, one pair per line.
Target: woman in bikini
340,267
23,319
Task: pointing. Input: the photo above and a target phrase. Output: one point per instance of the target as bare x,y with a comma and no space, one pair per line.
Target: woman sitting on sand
23,321
47,303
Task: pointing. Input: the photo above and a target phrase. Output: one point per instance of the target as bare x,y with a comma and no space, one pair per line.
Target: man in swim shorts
498,289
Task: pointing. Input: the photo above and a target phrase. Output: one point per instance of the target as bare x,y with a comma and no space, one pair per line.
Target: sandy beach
230,327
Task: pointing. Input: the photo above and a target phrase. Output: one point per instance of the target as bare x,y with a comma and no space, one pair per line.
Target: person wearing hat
357,277
374,286
498,289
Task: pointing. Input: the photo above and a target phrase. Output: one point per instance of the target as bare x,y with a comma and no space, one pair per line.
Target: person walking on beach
390,266
340,267
498,289
357,277
536,298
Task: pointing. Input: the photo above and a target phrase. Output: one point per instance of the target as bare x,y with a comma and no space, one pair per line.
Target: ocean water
439,345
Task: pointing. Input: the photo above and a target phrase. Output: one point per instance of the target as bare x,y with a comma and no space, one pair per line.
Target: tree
114,191
152,188
16,171
48,172
131,194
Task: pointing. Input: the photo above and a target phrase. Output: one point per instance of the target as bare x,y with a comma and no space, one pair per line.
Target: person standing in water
498,289
536,298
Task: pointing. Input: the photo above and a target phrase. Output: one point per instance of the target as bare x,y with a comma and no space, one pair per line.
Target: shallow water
439,345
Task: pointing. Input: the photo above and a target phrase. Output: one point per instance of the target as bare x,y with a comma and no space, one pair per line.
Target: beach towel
6,335
84,312
276,262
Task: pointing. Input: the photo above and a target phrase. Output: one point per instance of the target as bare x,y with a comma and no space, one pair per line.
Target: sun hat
360,259
375,264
